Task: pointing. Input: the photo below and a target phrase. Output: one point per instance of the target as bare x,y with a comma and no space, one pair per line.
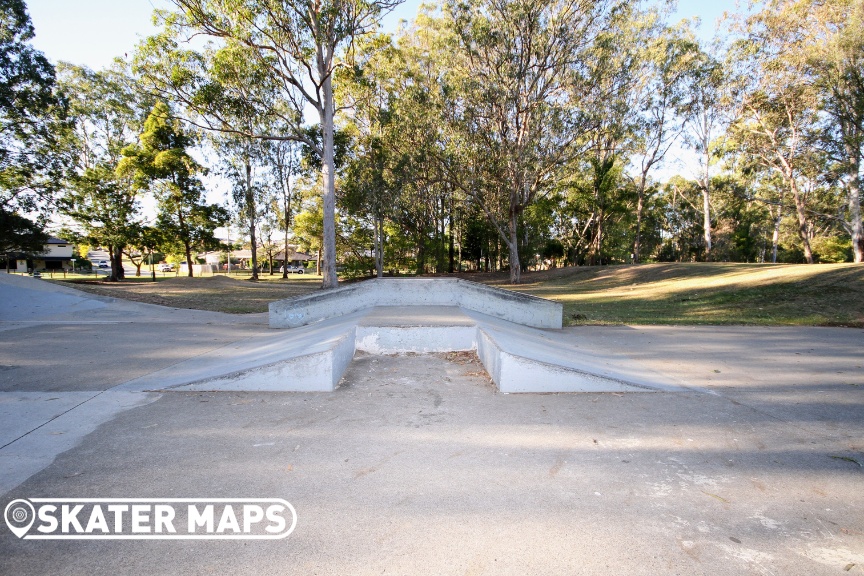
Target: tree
778,109
19,234
667,57
161,160
240,157
521,85
834,45
32,123
282,157
106,114
105,207
298,44
704,115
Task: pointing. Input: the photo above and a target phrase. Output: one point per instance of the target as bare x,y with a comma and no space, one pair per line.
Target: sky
93,32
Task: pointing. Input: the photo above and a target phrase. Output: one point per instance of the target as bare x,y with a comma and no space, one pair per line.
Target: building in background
56,255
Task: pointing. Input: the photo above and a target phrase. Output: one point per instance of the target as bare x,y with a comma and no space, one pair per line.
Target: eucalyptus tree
32,127
106,114
619,77
777,109
298,45
418,143
240,159
161,161
521,97
371,87
284,168
833,41
667,55
705,115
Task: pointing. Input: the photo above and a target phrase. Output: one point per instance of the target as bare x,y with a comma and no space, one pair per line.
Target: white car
166,267
293,269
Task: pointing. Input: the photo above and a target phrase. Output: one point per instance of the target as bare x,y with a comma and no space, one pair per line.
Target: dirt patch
218,294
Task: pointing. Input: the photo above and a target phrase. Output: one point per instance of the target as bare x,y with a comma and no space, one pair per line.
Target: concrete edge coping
558,367
311,308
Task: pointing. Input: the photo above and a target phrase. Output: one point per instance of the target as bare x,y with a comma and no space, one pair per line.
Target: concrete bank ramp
423,316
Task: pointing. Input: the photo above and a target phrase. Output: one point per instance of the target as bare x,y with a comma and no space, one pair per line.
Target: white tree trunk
855,214
379,247
706,202
250,208
513,246
328,175
775,239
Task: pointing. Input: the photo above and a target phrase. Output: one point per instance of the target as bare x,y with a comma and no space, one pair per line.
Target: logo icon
20,515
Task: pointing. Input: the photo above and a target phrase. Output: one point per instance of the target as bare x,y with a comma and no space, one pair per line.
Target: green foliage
832,249
19,234
161,160
32,117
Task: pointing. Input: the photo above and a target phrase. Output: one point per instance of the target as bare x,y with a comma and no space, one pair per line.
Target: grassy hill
697,293
703,293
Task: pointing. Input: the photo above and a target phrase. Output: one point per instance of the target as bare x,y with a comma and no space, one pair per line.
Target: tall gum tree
667,59
521,85
298,44
107,115
705,115
835,61
160,160
777,108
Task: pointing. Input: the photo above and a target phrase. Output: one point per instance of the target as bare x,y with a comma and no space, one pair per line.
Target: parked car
164,267
102,264
293,269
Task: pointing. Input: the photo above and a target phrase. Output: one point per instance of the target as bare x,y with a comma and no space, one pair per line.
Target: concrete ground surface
416,465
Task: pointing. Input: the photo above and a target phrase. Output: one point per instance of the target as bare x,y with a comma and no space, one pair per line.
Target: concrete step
313,358
418,329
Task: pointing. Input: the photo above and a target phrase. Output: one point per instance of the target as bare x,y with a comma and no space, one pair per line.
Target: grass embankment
704,293
754,294
235,295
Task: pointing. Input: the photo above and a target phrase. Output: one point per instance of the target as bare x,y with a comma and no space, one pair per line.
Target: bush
832,249
790,255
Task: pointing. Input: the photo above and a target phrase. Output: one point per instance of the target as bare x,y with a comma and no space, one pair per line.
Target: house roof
55,240
299,256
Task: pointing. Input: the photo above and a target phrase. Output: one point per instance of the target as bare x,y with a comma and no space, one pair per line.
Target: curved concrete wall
505,304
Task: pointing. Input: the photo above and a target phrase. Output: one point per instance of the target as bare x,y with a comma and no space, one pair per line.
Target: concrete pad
53,434
62,351
21,412
417,466
418,329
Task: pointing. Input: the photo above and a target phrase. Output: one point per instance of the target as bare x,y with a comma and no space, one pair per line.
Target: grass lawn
703,293
697,293
235,295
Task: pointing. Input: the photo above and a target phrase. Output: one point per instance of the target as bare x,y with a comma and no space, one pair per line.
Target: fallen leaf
720,498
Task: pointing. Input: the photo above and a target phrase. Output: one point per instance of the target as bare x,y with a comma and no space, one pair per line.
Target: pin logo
19,517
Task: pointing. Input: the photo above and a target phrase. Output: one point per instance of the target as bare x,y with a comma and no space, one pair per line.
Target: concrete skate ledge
504,304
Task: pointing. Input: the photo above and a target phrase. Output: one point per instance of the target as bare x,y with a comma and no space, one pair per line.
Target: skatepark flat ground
416,465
